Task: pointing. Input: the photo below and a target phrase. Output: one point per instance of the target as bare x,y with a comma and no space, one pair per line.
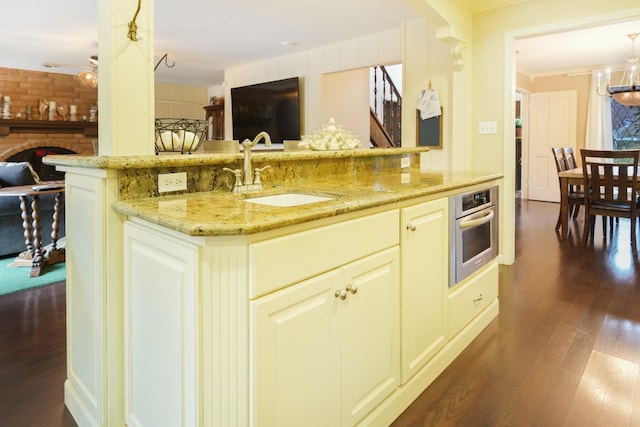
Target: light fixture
628,91
89,79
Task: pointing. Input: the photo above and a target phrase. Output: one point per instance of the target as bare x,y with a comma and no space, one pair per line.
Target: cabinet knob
480,298
411,227
352,288
341,294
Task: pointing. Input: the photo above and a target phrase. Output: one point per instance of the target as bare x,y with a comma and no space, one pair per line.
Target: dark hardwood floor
564,351
33,358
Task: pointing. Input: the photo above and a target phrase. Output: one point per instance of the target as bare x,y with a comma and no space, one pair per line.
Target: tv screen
273,107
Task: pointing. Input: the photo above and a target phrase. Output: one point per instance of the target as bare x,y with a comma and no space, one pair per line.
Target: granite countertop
198,159
218,213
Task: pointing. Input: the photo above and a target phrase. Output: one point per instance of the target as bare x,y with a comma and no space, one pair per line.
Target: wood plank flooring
564,351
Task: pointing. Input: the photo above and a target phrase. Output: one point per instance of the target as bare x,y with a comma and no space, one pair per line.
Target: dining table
567,178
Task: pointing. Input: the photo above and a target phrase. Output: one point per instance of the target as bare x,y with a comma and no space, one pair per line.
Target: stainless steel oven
473,232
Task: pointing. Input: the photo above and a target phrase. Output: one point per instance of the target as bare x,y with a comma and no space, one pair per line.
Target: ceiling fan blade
58,65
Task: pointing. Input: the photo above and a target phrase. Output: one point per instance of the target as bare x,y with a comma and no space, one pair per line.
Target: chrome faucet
249,183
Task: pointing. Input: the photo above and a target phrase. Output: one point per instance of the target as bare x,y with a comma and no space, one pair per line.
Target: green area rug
16,279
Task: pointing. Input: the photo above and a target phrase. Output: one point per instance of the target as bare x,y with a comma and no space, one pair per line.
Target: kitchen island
207,309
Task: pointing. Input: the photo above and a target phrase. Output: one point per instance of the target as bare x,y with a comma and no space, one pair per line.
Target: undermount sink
288,199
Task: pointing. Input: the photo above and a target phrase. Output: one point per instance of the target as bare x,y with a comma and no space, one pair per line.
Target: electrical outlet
488,128
172,182
405,162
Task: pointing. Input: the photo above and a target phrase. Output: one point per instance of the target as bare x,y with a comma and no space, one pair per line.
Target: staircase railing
387,105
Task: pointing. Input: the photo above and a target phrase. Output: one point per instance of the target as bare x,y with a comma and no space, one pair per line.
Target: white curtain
598,132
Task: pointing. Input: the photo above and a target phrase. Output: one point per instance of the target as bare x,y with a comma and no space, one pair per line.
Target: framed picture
429,131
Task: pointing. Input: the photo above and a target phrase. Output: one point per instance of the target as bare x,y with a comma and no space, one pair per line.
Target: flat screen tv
273,107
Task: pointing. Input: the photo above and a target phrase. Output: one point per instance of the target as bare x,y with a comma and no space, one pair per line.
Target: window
625,125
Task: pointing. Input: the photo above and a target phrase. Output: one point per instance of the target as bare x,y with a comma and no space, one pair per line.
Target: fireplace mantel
8,126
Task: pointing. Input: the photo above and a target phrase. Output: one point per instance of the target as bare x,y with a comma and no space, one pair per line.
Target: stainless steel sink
288,199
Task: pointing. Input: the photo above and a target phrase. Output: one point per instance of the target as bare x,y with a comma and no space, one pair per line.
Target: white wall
375,49
177,101
415,45
346,99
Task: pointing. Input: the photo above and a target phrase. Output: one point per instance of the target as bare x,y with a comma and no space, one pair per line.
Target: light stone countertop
218,213
204,159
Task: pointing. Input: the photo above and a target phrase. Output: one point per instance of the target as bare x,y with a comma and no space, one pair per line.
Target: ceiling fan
88,78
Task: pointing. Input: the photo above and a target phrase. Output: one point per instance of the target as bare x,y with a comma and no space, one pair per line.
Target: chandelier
627,92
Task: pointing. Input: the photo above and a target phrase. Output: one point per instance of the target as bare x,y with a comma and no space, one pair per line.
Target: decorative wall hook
133,27
166,63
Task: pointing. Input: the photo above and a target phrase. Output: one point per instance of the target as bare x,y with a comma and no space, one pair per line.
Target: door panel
552,124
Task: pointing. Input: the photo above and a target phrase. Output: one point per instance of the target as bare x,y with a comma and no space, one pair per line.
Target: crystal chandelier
627,92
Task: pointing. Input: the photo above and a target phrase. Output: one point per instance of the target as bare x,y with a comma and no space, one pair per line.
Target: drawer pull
341,294
352,288
411,227
480,298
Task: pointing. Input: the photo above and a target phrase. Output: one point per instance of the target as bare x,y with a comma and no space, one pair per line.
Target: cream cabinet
326,351
160,329
471,297
424,243
336,322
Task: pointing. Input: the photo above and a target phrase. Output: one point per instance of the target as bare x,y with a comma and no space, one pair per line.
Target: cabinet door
160,329
370,333
424,283
295,353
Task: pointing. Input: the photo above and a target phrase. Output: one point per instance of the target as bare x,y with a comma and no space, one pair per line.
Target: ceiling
576,51
203,37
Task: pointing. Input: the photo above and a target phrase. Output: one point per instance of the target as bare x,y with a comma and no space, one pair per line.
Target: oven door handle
487,217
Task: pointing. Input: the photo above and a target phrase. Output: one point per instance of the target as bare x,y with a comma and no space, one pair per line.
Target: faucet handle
238,181
256,174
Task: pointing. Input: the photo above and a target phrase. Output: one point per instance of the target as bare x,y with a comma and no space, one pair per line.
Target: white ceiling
203,37
576,51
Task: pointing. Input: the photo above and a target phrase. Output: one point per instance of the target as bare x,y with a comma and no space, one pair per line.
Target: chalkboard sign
429,131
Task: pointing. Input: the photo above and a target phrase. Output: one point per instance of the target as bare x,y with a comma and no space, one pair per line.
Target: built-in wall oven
473,232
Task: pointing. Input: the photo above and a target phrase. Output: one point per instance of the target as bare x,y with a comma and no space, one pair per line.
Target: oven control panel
472,202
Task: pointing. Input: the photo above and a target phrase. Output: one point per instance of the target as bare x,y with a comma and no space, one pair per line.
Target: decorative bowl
179,135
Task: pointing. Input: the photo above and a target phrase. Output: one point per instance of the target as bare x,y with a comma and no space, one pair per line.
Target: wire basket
179,135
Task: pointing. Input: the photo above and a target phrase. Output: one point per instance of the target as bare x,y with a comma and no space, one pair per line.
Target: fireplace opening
35,155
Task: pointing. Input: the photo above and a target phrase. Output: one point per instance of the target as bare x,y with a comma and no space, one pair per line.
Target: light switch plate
488,128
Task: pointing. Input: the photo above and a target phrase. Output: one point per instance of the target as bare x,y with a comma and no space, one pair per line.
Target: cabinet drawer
285,260
469,298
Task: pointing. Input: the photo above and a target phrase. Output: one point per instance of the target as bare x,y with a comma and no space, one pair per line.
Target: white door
552,123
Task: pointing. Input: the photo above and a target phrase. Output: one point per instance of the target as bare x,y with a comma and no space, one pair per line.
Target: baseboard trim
80,413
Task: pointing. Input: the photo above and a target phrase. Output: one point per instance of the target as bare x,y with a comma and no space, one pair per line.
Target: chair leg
588,219
604,227
559,221
634,248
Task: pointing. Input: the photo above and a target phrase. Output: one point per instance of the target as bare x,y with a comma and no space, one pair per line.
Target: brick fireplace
22,139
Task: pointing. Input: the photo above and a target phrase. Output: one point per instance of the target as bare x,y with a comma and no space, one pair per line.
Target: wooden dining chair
611,187
575,191
576,198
